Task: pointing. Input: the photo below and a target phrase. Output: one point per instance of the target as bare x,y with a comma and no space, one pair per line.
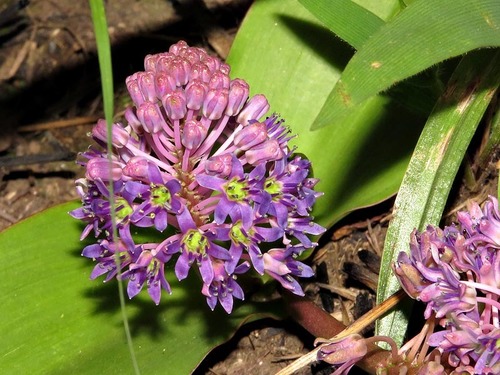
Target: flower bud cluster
456,272
196,162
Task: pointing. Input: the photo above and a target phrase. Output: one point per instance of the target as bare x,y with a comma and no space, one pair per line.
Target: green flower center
160,196
153,266
272,186
236,190
122,208
195,242
237,235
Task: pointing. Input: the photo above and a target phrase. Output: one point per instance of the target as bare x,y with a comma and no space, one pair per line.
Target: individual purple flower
148,269
235,197
106,254
344,352
195,245
196,160
223,287
282,265
247,238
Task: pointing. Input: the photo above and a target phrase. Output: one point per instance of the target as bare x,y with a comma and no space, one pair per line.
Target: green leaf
425,33
341,22
286,54
57,321
104,55
434,164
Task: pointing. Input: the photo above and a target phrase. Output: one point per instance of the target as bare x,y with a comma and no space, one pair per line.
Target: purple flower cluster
195,162
456,272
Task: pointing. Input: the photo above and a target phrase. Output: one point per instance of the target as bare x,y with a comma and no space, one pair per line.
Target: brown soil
48,75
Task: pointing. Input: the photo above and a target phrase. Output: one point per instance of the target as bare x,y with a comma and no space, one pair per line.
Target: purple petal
135,284
99,269
206,270
227,302
92,251
185,221
256,258
219,252
154,290
160,220
182,266
211,182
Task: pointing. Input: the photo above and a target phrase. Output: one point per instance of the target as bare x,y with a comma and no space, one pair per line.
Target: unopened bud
220,164
195,94
146,82
103,169
135,91
238,94
200,71
409,277
180,69
267,151
193,134
251,136
175,104
150,117
347,350
219,80
119,136
215,104
255,108
164,84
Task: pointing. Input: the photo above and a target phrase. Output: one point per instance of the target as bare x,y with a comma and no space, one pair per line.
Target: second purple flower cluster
456,272
195,162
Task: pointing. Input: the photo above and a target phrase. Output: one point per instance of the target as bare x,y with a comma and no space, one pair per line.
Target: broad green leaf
434,164
338,16
384,9
286,54
425,33
57,321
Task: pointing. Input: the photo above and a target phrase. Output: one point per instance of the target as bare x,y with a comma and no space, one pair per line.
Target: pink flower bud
409,277
220,164
238,94
215,104
195,94
150,117
212,63
178,47
193,134
219,80
344,351
137,167
267,151
150,63
133,121
225,68
103,169
164,84
180,69
251,136
163,64
200,71
135,92
175,104
255,108
119,136
192,55
146,83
